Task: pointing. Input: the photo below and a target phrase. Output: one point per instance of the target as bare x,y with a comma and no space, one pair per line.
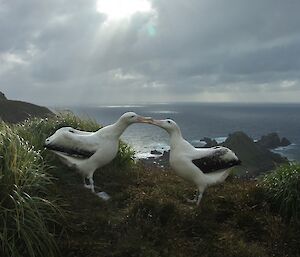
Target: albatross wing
71,151
220,158
207,165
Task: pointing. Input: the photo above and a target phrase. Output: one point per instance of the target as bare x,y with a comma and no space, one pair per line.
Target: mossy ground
149,216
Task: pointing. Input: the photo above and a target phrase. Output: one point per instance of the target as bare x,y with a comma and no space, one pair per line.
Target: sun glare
120,9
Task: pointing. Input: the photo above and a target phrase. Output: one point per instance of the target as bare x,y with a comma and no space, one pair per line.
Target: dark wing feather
214,163
69,151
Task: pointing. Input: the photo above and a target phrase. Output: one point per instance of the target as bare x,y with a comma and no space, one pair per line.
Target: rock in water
209,142
272,141
284,142
255,159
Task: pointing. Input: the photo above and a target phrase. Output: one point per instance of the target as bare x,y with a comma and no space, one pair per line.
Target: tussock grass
27,216
282,188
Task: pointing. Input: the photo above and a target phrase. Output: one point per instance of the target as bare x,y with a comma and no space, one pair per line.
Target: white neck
175,138
116,129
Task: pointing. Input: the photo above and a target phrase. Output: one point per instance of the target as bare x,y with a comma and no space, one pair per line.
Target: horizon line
138,105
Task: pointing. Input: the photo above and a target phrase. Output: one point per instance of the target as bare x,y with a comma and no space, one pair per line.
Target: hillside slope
148,216
16,111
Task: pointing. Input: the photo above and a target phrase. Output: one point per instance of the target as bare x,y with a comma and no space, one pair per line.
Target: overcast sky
55,52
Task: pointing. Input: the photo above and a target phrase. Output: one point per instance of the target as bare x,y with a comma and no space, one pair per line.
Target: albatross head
60,135
132,117
169,125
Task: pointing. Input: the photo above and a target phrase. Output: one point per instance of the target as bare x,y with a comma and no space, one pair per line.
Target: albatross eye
71,131
169,121
132,116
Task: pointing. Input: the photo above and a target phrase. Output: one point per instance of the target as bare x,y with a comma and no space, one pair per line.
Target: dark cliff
17,111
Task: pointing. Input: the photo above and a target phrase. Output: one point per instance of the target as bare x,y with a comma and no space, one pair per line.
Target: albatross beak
156,122
144,119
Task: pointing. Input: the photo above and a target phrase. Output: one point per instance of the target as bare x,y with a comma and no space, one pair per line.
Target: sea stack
272,140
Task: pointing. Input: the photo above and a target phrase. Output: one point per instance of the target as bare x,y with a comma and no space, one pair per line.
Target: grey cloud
196,50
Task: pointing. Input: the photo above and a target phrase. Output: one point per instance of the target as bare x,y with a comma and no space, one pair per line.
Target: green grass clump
125,157
283,190
26,215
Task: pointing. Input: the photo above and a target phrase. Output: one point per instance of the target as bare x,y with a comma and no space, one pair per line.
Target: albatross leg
92,185
194,199
85,184
199,197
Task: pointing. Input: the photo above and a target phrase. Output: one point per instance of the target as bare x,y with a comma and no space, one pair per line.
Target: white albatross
191,163
88,151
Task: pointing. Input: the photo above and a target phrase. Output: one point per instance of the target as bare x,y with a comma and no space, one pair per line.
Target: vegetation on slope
282,187
148,214
27,214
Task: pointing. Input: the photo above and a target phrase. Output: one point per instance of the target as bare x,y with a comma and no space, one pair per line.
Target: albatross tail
81,165
218,176
68,160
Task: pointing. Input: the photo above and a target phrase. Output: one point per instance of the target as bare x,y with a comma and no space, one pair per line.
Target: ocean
204,120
